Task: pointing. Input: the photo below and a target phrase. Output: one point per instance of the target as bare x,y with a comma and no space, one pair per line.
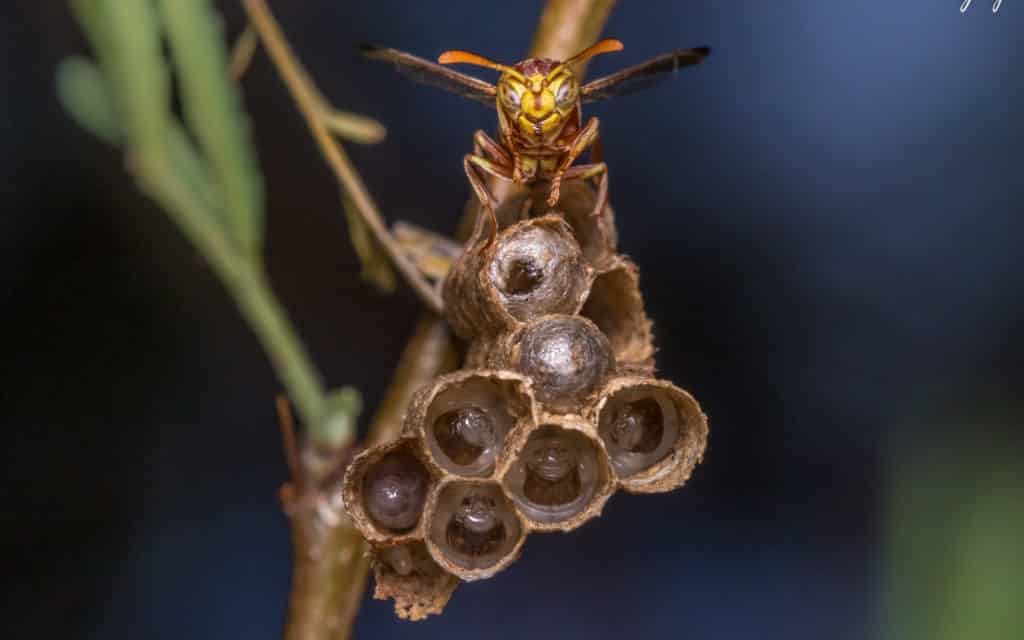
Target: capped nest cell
567,359
553,410
386,488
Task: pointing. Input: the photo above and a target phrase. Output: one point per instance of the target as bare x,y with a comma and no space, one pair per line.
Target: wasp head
538,96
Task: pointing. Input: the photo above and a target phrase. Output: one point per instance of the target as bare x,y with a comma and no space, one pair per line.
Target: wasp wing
431,73
643,75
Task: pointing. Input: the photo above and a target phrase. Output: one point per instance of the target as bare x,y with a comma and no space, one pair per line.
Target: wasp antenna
596,49
465,57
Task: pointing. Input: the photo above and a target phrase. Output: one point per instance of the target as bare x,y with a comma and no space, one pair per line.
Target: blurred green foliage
955,552
201,169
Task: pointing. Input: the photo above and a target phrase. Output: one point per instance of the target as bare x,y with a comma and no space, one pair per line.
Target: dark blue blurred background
827,219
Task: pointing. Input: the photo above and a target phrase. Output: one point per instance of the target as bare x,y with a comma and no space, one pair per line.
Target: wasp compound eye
537,269
465,416
567,358
654,433
558,478
474,528
394,490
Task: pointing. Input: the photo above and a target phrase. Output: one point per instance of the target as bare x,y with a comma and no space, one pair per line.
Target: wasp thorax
567,358
474,526
556,475
537,269
640,426
467,420
394,490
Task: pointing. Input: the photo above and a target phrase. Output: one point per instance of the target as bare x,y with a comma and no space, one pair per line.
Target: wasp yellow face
538,97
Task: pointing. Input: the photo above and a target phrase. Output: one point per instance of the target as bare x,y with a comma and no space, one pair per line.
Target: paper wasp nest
553,411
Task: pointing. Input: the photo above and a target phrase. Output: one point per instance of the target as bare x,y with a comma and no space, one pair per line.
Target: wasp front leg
477,168
587,171
487,147
585,138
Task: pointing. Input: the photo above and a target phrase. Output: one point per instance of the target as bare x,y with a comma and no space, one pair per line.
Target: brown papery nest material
654,432
558,473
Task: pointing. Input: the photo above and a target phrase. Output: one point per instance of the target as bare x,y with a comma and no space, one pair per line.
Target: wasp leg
585,138
596,151
486,146
587,171
473,166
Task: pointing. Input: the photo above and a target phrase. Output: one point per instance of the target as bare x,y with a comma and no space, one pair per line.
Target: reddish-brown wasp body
540,127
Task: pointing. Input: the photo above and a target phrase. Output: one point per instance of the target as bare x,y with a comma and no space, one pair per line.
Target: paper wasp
541,131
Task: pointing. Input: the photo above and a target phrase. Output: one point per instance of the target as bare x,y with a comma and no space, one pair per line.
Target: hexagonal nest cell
655,433
385,490
464,418
616,306
567,358
474,529
558,474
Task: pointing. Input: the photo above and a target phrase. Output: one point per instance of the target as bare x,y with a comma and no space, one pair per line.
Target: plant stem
317,115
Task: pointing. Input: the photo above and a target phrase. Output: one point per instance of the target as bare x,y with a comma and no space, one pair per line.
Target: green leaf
354,127
955,568
86,96
90,19
213,111
138,74
377,268
337,426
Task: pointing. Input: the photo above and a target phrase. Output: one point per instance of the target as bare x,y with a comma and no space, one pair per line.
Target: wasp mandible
541,130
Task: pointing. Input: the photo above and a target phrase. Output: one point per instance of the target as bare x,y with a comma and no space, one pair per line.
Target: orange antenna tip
603,46
465,57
